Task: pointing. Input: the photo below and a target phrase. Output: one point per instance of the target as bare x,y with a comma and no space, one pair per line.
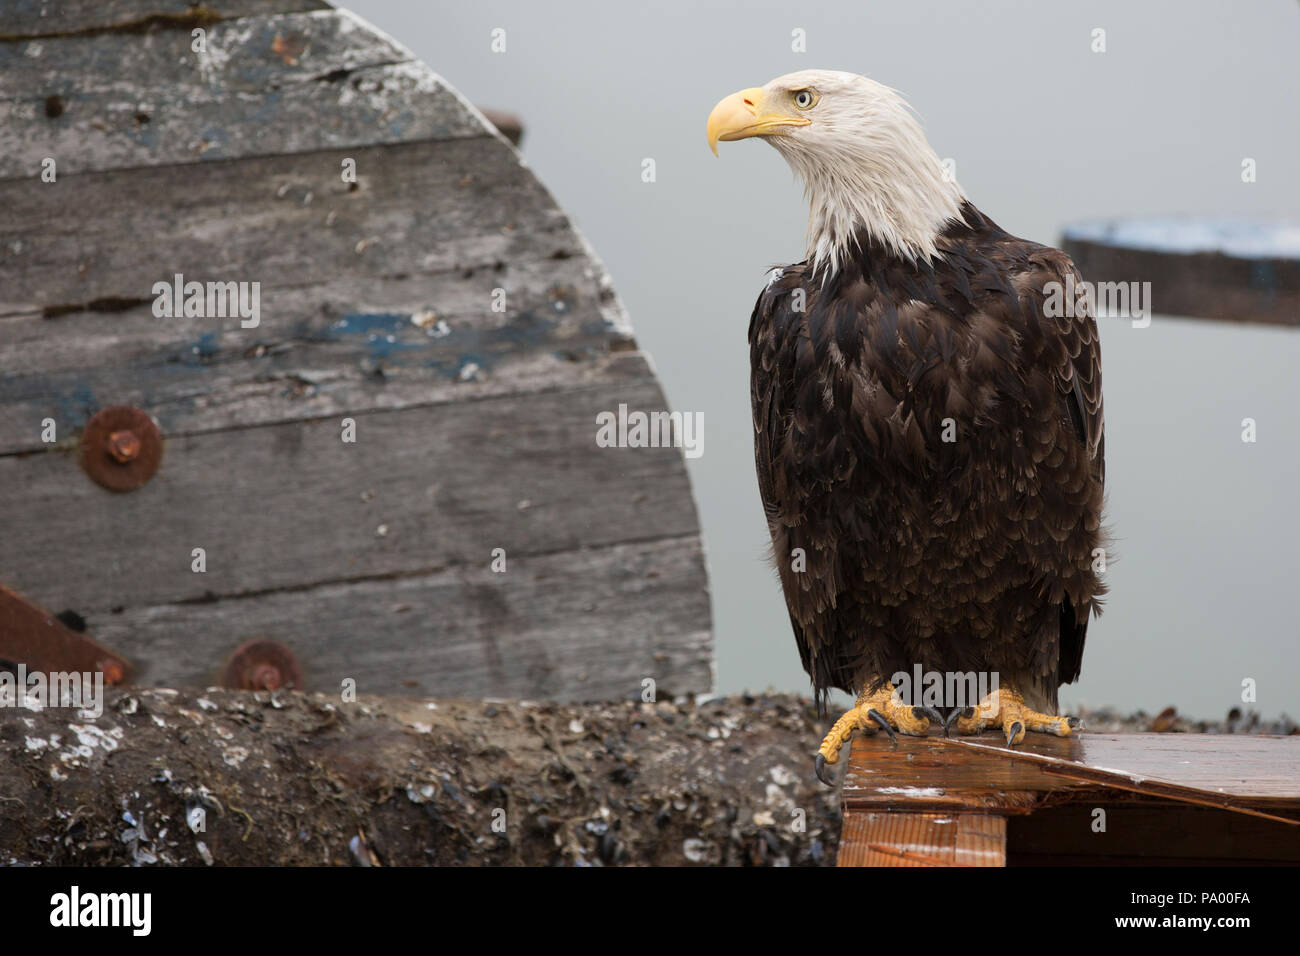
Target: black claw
820,765
934,715
884,724
1013,731
954,714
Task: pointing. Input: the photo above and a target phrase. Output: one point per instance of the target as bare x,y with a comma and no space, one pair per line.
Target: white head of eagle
865,164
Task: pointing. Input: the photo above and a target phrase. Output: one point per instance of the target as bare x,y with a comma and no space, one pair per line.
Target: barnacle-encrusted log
233,777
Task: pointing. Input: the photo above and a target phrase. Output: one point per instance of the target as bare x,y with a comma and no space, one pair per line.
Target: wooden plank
588,625
1257,772
52,18
420,208
1147,832
292,505
270,84
1237,272
342,347
923,773
922,839
1047,790
565,303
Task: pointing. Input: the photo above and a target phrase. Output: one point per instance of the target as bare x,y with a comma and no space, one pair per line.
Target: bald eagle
928,427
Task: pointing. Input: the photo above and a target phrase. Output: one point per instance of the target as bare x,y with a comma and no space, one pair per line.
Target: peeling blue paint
386,334
380,330
527,328
201,350
144,135
76,408
361,323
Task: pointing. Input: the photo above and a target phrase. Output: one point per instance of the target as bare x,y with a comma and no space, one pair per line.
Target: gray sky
1044,132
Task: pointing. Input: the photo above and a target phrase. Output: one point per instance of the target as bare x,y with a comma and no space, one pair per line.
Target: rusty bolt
112,671
121,448
124,445
265,676
262,665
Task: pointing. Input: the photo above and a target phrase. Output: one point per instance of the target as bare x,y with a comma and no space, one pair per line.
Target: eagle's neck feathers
876,176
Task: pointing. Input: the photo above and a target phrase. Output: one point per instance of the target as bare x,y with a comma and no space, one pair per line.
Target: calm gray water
1044,132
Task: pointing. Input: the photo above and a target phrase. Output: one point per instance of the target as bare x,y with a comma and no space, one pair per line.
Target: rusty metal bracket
37,639
121,448
262,665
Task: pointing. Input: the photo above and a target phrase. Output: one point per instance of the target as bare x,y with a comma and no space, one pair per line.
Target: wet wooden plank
1254,770
284,221
981,773
300,82
922,839
590,624
1154,789
292,505
52,18
923,773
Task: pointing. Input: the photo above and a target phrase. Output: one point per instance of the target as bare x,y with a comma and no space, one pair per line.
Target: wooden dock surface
1095,798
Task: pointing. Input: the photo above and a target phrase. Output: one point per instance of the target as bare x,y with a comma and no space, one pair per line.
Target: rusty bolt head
121,448
262,665
112,671
124,445
266,676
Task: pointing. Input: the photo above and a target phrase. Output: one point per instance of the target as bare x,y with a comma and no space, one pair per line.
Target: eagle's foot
1005,708
881,710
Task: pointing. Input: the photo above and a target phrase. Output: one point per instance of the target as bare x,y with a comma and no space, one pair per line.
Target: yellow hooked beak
742,115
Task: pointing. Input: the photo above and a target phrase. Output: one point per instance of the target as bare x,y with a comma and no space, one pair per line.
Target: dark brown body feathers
970,555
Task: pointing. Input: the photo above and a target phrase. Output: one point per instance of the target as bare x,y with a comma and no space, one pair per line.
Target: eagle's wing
778,341
767,436
1078,376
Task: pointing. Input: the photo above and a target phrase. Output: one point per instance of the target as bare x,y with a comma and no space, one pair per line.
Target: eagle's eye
805,99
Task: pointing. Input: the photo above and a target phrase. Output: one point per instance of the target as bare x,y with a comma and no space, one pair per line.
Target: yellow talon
1006,708
895,714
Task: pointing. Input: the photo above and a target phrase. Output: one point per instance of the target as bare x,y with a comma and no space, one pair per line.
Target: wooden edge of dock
1093,799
